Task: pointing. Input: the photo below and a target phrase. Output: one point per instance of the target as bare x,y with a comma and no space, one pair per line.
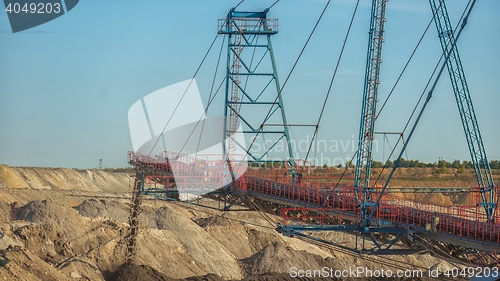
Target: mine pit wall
94,180
63,179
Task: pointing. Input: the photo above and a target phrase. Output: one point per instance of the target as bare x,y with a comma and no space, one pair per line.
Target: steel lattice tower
253,87
368,110
464,102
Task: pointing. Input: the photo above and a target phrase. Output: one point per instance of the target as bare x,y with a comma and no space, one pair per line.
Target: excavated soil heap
132,272
62,224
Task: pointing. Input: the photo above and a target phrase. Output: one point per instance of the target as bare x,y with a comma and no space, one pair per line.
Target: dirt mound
278,257
243,240
432,198
82,270
49,212
19,264
205,251
63,179
119,210
208,277
93,208
5,212
132,272
6,242
57,233
462,199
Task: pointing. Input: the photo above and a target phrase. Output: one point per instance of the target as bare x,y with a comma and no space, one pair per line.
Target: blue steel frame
379,248
368,109
464,102
469,121
243,30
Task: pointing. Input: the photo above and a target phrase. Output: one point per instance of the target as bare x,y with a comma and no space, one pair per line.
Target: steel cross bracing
468,116
461,229
368,109
250,54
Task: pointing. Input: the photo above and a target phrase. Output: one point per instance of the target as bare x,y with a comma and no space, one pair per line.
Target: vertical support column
470,125
368,109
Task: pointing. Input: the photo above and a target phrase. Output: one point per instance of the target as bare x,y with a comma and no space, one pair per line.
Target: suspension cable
273,4
429,96
406,65
288,77
208,104
332,80
210,99
420,98
346,168
239,4
184,94
392,90
201,117
463,19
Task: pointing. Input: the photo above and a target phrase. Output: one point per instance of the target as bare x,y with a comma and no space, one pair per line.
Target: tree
432,165
442,167
456,164
495,164
461,169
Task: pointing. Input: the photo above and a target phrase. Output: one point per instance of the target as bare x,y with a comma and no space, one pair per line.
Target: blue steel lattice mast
252,31
368,110
464,102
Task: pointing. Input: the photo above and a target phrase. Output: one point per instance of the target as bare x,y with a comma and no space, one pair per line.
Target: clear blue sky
66,86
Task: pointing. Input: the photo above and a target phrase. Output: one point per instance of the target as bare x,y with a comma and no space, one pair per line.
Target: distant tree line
119,170
461,166
442,164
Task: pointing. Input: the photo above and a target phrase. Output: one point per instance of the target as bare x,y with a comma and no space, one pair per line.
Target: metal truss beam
463,98
368,109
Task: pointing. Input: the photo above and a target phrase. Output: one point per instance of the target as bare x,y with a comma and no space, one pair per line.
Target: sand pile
278,257
23,265
93,208
58,234
49,211
63,179
243,240
52,234
132,272
431,198
203,248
